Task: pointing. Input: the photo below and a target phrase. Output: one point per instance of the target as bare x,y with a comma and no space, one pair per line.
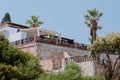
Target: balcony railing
84,58
54,41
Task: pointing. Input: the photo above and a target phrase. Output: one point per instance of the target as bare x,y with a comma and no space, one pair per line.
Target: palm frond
28,22
34,18
88,24
87,17
97,19
34,22
40,22
100,14
93,14
99,27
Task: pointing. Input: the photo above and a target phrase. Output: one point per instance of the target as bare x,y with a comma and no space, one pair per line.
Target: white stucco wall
17,36
11,33
8,31
3,30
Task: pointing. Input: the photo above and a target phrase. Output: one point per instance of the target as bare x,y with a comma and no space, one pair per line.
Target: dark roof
14,25
63,38
70,41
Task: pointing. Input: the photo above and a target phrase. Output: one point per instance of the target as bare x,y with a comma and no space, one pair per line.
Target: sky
65,16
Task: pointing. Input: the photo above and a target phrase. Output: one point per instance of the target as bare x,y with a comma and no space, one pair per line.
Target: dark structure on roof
14,25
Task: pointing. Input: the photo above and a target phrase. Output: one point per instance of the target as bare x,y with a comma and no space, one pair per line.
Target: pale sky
65,16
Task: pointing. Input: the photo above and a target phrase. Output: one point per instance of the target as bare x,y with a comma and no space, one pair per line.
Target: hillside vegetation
16,64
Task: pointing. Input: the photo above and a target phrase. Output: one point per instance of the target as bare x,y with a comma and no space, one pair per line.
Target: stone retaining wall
91,68
52,57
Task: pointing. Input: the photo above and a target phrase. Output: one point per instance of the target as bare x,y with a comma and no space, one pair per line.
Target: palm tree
92,19
34,22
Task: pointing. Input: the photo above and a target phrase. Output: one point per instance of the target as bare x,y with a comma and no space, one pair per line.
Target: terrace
64,42
22,35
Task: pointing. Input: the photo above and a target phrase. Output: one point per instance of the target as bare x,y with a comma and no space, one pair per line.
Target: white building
14,32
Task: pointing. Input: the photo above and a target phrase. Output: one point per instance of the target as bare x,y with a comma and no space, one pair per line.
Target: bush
8,72
17,64
72,72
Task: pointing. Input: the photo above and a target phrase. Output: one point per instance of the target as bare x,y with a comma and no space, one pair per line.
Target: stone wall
30,48
87,68
91,68
52,58
99,69
55,53
47,65
54,48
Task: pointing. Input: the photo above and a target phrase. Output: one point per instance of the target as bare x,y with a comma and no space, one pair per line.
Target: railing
84,58
54,41
79,59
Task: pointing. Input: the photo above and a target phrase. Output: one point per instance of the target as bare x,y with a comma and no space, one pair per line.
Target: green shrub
8,72
72,66
14,62
72,72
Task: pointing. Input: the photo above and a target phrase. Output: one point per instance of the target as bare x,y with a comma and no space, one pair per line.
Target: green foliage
73,66
108,44
31,69
92,15
119,71
51,36
91,20
8,72
71,72
15,64
34,22
6,18
92,78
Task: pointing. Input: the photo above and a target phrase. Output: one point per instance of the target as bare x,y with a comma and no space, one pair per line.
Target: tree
34,22
6,18
92,19
109,44
16,64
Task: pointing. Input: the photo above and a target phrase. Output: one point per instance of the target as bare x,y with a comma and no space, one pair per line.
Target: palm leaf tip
40,22
100,14
99,27
87,23
28,22
87,17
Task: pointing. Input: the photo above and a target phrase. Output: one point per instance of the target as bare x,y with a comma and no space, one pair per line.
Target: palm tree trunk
93,35
93,31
